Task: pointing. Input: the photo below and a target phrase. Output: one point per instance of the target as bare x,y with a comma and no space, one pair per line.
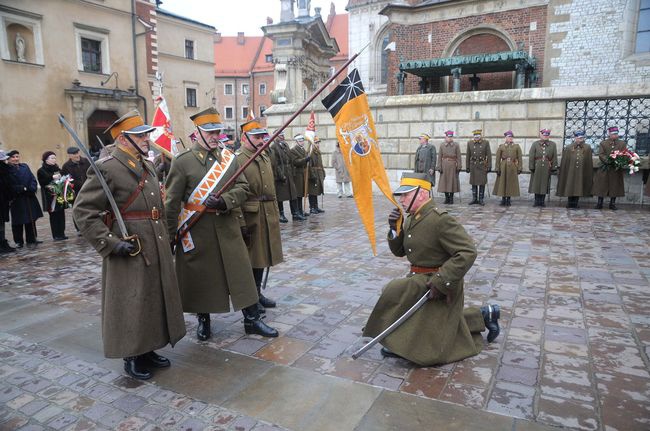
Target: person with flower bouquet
57,193
608,180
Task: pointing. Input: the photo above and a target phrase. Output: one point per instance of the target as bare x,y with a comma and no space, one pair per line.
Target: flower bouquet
623,159
62,192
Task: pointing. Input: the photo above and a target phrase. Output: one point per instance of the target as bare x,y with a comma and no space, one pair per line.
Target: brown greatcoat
576,171
217,271
341,171
542,162
478,161
261,211
299,155
441,331
141,304
508,163
449,164
425,160
609,182
282,160
316,173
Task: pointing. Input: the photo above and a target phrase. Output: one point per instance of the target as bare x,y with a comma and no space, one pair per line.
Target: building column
79,116
455,72
520,75
474,80
401,77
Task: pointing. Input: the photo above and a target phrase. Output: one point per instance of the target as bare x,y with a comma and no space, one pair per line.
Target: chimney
269,20
240,38
217,37
317,11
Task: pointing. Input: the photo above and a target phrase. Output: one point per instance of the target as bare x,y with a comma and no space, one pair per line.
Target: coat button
110,234
152,193
146,181
159,236
409,235
409,250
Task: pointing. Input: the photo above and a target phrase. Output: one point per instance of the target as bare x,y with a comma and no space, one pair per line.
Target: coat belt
198,207
423,269
449,158
154,214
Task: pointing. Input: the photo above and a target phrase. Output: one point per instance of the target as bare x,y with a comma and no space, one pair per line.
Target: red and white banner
163,137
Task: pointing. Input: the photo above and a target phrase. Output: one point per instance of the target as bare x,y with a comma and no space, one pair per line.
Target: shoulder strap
137,191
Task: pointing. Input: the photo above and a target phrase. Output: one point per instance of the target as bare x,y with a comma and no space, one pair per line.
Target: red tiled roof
233,59
261,64
337,26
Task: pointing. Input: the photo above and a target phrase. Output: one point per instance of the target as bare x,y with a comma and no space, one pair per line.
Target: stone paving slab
573,287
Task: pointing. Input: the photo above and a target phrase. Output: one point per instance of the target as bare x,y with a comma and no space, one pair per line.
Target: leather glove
245,233
518,172
532,171
498,174
217,203
307,159
393,217
434,294
123,248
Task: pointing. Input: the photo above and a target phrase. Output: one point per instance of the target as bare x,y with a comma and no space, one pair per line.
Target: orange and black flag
355,130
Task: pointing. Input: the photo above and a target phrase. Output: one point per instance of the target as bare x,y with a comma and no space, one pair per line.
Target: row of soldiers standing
576,177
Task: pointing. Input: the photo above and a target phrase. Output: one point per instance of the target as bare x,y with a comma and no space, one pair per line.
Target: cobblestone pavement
573,353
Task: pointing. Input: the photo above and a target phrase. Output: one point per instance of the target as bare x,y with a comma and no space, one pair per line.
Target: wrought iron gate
631,115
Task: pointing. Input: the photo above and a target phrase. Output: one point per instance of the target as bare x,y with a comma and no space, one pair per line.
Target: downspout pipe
134,18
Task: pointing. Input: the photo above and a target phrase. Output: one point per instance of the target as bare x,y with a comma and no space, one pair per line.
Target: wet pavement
574,290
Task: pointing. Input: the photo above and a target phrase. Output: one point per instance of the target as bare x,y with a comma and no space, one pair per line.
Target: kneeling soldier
440,253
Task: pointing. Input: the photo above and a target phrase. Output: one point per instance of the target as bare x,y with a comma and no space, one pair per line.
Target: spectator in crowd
53,194
25,209
6,196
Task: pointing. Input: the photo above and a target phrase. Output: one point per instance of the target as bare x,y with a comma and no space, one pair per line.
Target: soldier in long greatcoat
608,181
285,187
478,164
576,170
449,165
260,209
542,162
316,185
300,160
141,304
508,162
213,269
440,253
425,158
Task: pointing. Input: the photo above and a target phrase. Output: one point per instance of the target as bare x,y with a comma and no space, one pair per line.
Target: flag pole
264,146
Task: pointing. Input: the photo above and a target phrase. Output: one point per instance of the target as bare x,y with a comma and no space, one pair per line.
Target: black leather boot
253,323
576,199
503,202
542,201
283,219
155,360
491,314
474,195
264,301
203,330
612,204
507,201
5,247
451,198
387,353
481,195
536,204
300,209
569,202
446,198
599,205
295,213
134,368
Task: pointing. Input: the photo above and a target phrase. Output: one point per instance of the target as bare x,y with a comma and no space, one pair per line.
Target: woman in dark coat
47,175
25,209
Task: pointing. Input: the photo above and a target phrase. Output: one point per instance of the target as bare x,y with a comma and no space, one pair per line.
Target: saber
266,277
100,142
392,327
107,191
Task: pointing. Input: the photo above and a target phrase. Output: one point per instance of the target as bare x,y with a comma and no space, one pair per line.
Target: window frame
189,88
259,89
244,115
637,32
98,35
193,49
248,91
232,89
232,112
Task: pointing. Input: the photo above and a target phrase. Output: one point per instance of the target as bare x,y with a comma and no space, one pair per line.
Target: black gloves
307,159
435,294
245,233
393,217
216,203
123,248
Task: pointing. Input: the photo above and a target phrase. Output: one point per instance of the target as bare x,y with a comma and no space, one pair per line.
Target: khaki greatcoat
141,304
261,211
217,271
478,161
508,162
341,171
542,162
315,186
425,160
440,332
609,182
282,160
449,164
299,163
576,171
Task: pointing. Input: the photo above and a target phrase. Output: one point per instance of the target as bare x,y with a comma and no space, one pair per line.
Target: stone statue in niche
20,48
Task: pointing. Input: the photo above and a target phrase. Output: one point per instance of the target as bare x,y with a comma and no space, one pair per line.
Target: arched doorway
484,43
97,123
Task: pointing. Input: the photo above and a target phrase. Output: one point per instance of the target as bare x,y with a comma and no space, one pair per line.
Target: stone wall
594,41
401,119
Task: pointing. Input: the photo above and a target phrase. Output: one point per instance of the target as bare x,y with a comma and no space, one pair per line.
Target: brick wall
412,41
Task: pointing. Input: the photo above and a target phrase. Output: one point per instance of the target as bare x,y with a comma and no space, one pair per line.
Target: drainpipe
135,61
